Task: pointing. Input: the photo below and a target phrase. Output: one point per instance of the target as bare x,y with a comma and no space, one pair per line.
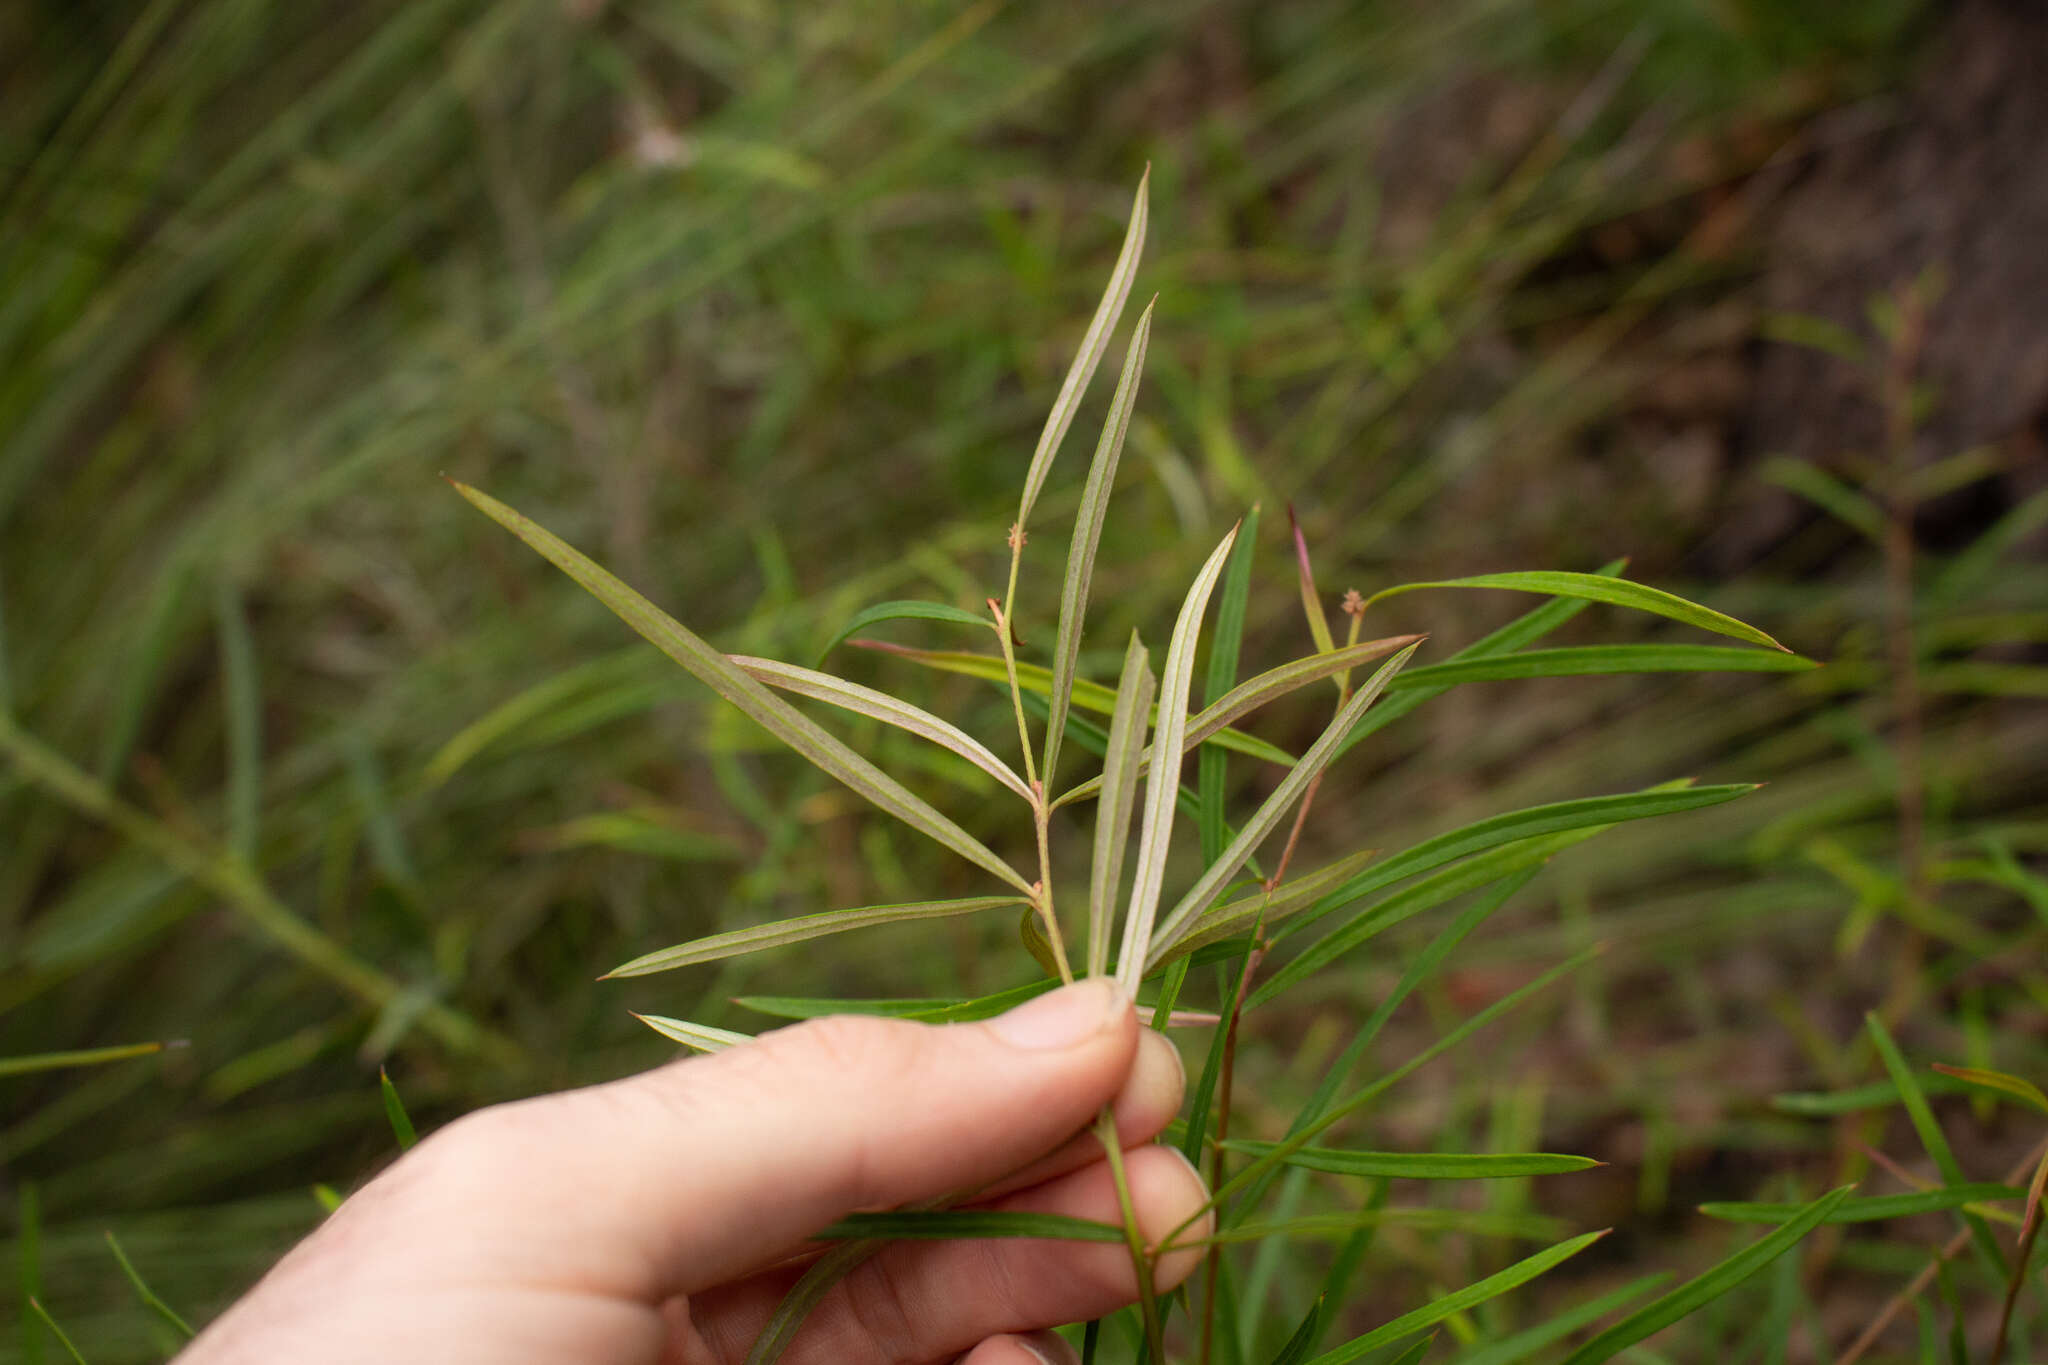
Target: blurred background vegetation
762,306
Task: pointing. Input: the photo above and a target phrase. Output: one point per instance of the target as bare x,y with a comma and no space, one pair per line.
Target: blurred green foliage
761,305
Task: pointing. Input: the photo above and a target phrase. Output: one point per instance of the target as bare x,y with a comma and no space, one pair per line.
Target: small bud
1353,604
1017,536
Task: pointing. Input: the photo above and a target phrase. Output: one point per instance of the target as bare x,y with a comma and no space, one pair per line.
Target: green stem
1141,1256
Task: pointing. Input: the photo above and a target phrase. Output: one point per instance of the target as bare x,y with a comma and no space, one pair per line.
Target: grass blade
1088,696
805,1295
1669,1308
42,1314
1929,1130
1336,1226
1253,693
394,1110
1876,1095
1210,885
1304,1339
150,1299
1599,588
949,1225
782,932
1163,788
1311,601
903,610
1873,1209
1492,1287
928,1011
702,1037
1422,1165
866,701
1093,343
1120,790
1591,660
760,705
1087,537
1239,915
90,1056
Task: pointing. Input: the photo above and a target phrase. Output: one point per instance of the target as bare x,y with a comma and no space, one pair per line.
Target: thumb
686,1176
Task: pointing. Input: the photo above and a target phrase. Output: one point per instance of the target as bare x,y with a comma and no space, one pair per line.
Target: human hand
653,1221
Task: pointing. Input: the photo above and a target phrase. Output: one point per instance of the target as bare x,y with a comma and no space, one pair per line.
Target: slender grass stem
1134,1237
1016,692
1042,818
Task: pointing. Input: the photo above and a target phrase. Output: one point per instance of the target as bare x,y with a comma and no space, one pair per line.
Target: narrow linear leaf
1212,766
394,1111
760,705
1410,901
650,831
1254,693
1203,893
168,1315
1931,1136
952,1225
91,1056
1495,831
779,933
820,1280
42,1315
1311,601
1088,524
1163,787
530,707
1874,1209
1338,1225
904,610
1088,696
1239,914
2024,1091
1593,660
1421,1165
1845,504
866,701
1876,1095
1304,1337
1669,1308
1618,592
1492,1287
930,1011
1525,1344
702,1037
1120,790
1093,342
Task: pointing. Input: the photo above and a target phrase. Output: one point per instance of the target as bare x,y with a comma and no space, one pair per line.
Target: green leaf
1212,765
1597,588
866,701
1855,509
1271,811
1478,1222
42,1315
650,831
1163,786
531,708
1525,1344
1305,1336
930,1011
1410,901
1088,524
168,1315
2025,1091
1250,695
702,1037
1876,1095
394,1110
1093,343
1560,817
834,1266
950,1225
1670,1307
91,1056
1931,1136
904,610
780,933
1421,1165
1238,915
1472,1295
1589,660
1311,601
1870,1210
1120,788
760,705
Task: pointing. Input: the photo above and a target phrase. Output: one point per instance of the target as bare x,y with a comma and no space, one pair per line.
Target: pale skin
659,1219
